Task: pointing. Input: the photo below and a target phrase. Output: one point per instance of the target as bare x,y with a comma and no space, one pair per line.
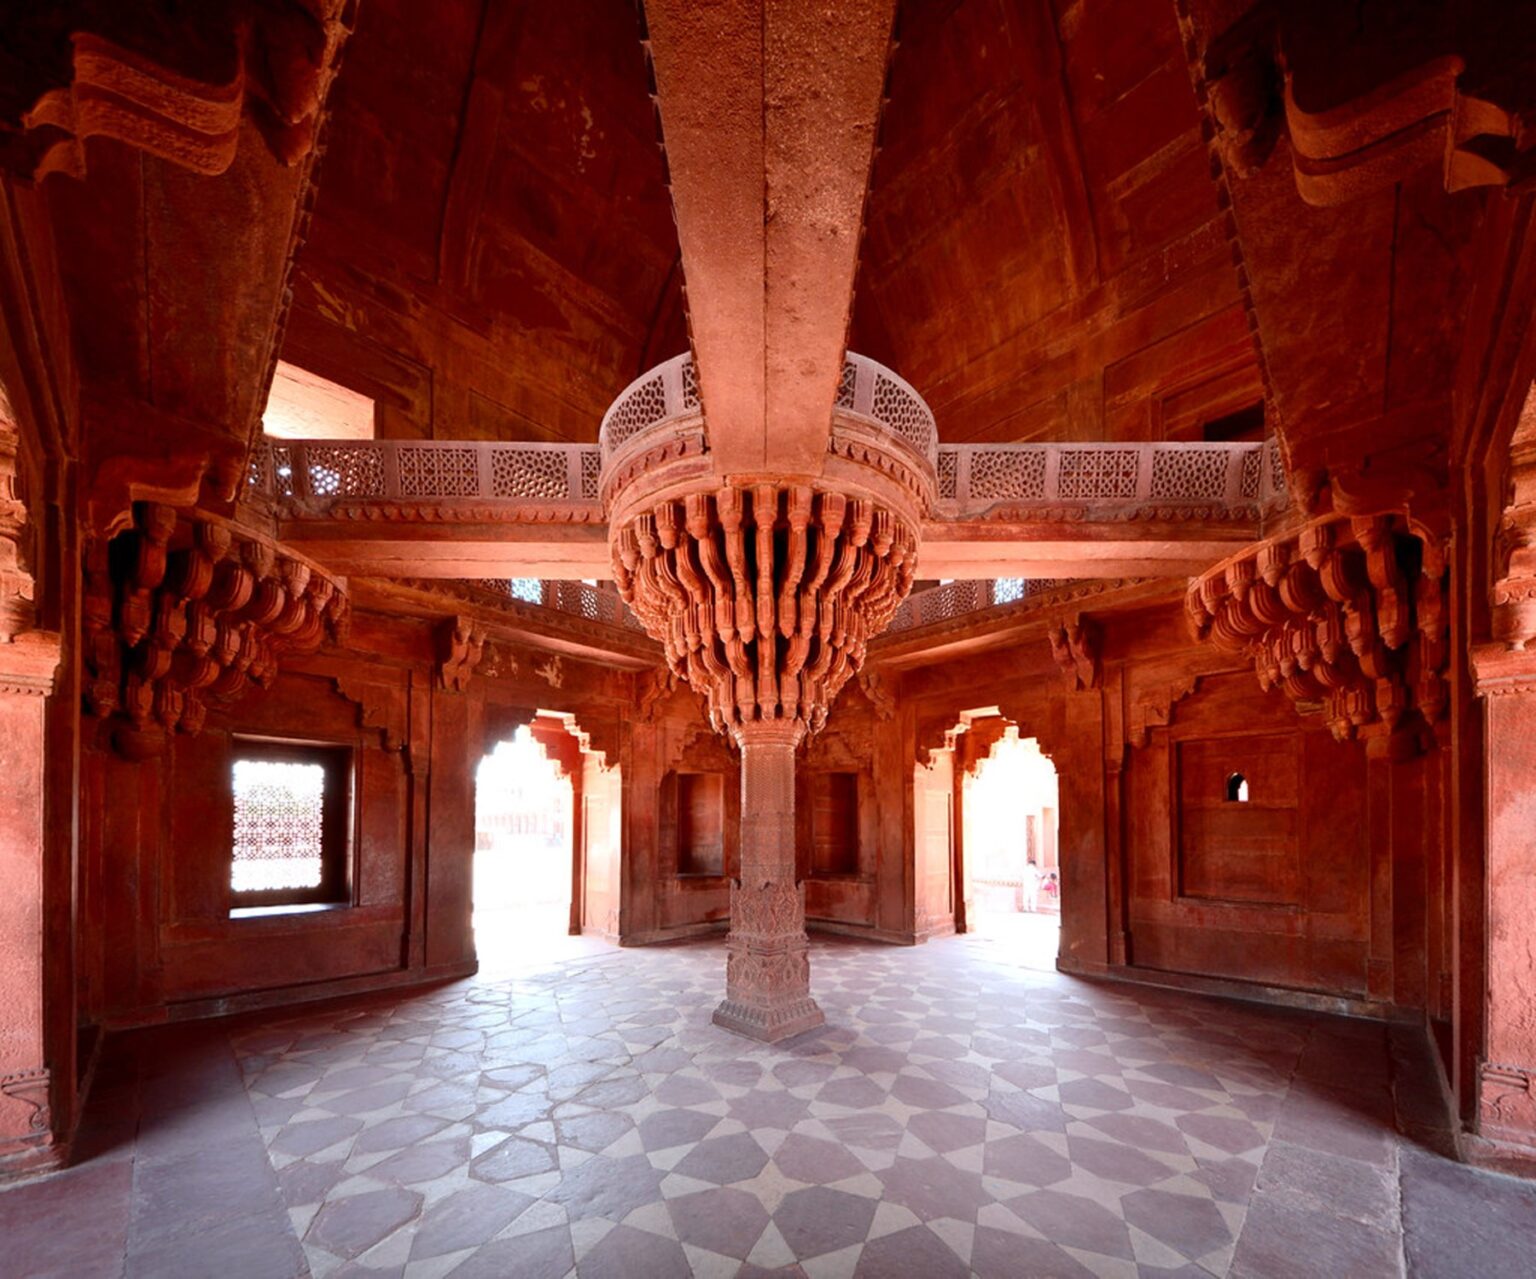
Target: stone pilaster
768,970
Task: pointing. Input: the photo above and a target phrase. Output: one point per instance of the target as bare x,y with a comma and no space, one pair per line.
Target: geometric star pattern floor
949,1119
957,1115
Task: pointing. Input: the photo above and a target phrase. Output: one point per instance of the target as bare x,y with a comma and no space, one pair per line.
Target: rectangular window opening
305,406
290,832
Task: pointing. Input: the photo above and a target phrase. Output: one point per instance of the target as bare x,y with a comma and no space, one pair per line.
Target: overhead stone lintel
769,142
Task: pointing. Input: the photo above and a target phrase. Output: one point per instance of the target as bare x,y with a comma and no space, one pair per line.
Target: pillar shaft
768,971
26,677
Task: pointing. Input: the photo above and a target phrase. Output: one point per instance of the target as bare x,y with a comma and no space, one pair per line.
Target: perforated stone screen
279,825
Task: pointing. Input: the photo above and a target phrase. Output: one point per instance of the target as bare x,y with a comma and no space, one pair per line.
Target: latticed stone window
528,589
1005,590
290,824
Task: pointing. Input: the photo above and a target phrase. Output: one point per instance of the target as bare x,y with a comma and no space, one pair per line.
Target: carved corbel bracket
935,735
1153,707
188,610
1347,613
877,688
1075,646
654,688
460,646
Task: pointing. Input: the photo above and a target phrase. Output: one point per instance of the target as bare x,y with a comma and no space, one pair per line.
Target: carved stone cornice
1348,613
446,511
189,610
1036,609
498,615
130,78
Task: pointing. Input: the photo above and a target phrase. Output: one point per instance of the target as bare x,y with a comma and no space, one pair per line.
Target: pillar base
769,1025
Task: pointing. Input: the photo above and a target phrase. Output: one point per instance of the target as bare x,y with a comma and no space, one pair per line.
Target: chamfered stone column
768,968
27,666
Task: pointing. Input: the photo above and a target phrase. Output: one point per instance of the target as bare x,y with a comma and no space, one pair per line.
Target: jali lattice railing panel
320,472
955,599
867,389
1239,479
580,599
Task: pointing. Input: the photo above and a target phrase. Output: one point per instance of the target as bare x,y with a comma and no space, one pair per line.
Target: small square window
290,832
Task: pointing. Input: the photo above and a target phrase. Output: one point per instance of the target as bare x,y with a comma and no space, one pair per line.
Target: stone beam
769,112
455,550
964,549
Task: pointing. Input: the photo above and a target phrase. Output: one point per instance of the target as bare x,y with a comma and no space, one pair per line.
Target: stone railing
1176,478
593,603
308,473
1161,480
669,393
954,599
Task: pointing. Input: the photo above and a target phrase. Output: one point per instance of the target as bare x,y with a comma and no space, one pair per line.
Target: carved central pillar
768,967
764,593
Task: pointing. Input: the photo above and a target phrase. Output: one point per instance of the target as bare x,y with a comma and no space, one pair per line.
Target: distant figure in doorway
1031,885
1052,892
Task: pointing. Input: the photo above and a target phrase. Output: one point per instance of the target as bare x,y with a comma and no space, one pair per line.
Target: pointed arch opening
987,808
546,830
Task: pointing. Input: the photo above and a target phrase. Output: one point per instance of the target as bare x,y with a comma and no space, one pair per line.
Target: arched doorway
524,831
1012,864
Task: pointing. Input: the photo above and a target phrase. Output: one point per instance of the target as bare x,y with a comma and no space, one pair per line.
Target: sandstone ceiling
492,253
1082,222
1044,256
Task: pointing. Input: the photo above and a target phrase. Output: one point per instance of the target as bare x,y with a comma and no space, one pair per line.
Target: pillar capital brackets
1270,73
127,77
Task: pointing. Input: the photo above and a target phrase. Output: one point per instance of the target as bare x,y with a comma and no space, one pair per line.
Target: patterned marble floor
958,1115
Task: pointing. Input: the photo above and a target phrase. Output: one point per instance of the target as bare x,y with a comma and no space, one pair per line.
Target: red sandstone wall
934,822
1333,880
1275,890
156,936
